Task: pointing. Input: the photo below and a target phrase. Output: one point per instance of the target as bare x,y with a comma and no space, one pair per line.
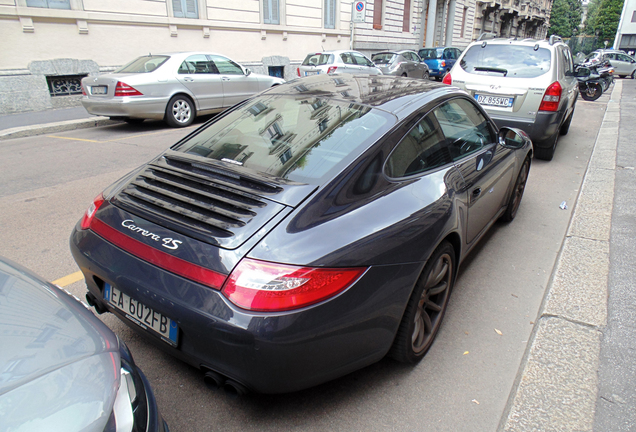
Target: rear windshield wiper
491,69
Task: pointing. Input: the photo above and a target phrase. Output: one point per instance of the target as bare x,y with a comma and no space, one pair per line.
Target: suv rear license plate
497,101
99,90
142,315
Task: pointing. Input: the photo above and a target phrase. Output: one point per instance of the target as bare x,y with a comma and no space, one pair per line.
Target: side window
359,59
422,149
466,130
197,64
185,9
271,12
347,58
225,66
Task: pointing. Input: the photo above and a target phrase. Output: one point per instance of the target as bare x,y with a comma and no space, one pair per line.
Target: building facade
626,33
47,46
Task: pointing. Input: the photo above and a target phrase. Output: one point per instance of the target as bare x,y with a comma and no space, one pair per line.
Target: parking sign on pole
359,11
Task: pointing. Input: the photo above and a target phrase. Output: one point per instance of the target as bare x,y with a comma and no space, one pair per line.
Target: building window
66,85
271,12
464,21
185,9
406,19
377,14
330,14
50,4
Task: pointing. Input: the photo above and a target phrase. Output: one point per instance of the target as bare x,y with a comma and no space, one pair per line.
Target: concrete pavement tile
578,291
557,391
593,213
26,131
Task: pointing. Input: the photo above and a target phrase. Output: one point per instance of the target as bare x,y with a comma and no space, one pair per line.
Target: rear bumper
266,352
146,108
541,130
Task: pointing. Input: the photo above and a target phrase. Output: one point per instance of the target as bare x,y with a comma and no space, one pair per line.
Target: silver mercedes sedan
175,87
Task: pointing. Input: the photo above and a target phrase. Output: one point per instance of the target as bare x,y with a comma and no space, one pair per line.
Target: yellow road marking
69,279
135,136
68,138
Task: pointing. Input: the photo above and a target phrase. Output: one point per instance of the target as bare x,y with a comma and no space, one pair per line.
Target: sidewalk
43,122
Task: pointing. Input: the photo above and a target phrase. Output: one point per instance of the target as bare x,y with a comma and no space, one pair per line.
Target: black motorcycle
590,85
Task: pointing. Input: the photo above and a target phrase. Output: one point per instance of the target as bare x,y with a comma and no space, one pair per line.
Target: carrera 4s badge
167,242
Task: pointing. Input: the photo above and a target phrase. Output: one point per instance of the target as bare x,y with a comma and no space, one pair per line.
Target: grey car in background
341,61
61,368
401,63
174,87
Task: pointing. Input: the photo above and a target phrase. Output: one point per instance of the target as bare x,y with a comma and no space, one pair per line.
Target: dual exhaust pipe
215,380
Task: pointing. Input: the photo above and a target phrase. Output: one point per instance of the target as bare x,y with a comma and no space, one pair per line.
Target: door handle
188,79
225,79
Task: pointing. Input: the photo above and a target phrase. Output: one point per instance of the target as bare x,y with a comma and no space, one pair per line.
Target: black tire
634,74
517,193
547,153
180,111
404,74
426,307
622,76
565,127
593,92
131,120
426,75
438,78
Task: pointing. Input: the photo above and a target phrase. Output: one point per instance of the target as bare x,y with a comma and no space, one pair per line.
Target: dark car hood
43,329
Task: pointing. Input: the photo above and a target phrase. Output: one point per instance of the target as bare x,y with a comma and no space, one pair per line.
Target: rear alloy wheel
180,111
426,307
517,193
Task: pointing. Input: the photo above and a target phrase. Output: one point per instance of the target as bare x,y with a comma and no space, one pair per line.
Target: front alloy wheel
426,308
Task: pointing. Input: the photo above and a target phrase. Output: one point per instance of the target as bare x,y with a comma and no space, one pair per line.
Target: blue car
439,60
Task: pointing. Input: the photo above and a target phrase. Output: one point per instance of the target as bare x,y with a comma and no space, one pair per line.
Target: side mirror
513,138
248,72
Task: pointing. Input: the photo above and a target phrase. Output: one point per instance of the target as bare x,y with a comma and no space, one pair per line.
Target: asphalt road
462,384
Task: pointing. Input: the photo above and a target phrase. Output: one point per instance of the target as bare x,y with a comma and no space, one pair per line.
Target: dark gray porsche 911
306,232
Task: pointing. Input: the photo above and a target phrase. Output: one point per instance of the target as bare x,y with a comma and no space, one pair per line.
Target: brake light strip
161,259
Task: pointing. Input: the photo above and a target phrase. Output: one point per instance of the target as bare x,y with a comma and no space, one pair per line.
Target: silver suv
527,84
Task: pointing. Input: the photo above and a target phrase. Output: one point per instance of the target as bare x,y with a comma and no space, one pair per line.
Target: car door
237,85
364,65
348,65
199,76
486,167
625,65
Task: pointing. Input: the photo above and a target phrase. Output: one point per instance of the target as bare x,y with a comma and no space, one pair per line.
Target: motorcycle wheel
592,92
605,83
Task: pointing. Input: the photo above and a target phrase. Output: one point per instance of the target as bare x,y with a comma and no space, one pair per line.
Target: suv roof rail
554,39
484,36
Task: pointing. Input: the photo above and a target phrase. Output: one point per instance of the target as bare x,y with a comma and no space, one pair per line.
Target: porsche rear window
143,64
512,61
318,59
296,138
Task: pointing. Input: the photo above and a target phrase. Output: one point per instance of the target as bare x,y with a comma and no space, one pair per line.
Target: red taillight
332,69
551,98
123,89
264,286
298,71
447,79
443,63
83,90
91,210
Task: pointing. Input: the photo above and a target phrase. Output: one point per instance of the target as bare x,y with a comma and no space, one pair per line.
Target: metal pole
351,26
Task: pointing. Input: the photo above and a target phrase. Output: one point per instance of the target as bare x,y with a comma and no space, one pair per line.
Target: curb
557,385
27,131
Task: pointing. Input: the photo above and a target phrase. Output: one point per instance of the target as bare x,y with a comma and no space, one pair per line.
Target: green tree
602,19
565,18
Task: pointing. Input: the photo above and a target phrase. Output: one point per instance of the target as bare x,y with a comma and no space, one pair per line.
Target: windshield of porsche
513,61
296,138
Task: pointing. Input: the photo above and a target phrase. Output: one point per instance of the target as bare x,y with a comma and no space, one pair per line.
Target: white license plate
497,101
99,90
312,73
142,315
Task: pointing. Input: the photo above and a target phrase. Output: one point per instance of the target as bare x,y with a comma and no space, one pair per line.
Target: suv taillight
267,287
551,98
123,89
332,69
91,210
447,79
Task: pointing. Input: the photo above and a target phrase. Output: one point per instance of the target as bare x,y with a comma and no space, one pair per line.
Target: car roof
396,95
